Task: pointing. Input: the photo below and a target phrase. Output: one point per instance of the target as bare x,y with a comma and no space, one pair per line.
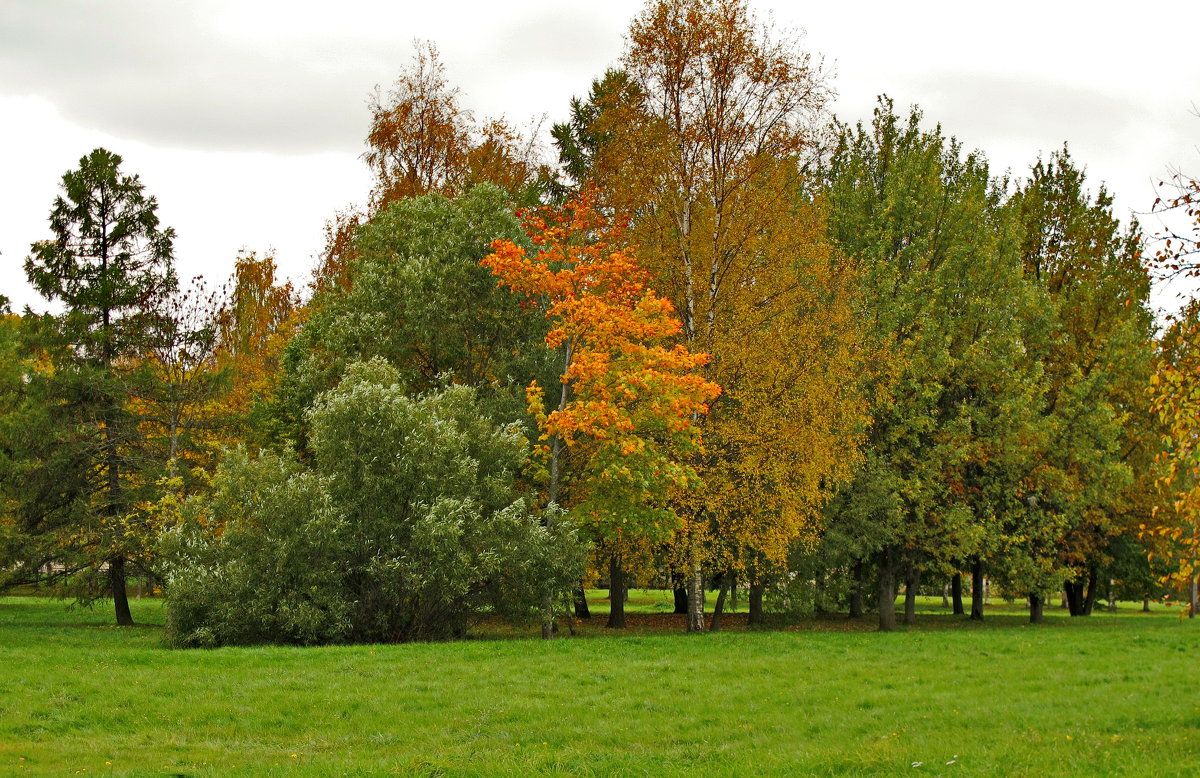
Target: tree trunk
116,577
856,591
1036,606
1195,597
681,595
887,593
616,593
1146,605
116,565
556,449
556,442
1093,589
911,582
582,611
568,606
1112,596
1074,592
977,589
547,617
956,594
719,608
946,595
754,600
695,621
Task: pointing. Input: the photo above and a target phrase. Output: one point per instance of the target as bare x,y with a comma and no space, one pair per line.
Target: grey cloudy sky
246,117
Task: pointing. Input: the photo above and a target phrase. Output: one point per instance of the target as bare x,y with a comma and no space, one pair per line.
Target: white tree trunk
695,621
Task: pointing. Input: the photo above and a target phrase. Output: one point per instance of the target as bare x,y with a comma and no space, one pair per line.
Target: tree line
721,340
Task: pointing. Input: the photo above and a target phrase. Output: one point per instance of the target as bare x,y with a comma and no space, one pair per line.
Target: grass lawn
1112,694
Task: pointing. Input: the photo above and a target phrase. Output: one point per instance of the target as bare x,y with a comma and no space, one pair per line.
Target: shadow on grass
41,612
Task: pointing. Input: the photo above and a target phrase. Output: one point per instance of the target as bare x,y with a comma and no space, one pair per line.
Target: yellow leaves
1176,537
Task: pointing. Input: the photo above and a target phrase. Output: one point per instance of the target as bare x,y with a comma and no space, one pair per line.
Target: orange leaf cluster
633,396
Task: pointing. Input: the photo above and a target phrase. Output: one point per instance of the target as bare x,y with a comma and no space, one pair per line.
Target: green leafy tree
419,298
1091,478
110,266
19,561
946,299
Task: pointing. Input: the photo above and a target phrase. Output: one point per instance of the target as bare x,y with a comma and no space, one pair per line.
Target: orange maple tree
629,400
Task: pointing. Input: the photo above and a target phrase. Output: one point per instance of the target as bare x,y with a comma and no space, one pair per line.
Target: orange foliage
260,318
422,140
629,396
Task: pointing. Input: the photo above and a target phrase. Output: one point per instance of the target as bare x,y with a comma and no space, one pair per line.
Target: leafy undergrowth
1107,695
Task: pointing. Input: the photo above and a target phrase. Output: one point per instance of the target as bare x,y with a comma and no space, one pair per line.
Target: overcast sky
246,117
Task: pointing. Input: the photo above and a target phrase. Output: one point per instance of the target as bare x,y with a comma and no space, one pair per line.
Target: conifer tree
110,266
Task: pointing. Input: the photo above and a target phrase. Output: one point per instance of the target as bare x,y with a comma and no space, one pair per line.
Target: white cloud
245,117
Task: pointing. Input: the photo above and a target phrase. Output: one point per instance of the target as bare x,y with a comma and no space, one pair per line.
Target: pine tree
110,266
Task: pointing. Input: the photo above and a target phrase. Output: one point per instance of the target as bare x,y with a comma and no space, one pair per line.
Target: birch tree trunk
556,450
695,622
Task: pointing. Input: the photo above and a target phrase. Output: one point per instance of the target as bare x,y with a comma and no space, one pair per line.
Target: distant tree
15,367
178,411
947,302
1172,536
110,265
259,317
593,126
422,141
1179,241
1090,474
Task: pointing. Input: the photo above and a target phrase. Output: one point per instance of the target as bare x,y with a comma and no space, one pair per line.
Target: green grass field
1113,694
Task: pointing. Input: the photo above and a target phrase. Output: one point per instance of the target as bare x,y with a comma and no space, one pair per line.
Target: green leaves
419,299
109,263
406,523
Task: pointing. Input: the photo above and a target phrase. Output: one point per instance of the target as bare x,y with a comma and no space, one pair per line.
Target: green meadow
1111,694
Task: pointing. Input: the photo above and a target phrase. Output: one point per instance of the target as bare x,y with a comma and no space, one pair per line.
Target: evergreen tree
110,267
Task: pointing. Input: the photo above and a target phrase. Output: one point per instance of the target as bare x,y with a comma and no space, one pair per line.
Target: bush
407,522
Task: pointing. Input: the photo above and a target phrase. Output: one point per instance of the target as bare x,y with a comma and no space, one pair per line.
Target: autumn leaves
629,400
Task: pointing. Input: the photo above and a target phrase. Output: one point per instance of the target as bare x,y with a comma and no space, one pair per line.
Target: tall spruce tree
110,267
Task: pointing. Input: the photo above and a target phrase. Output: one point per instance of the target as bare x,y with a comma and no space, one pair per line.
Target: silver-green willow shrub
407,521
